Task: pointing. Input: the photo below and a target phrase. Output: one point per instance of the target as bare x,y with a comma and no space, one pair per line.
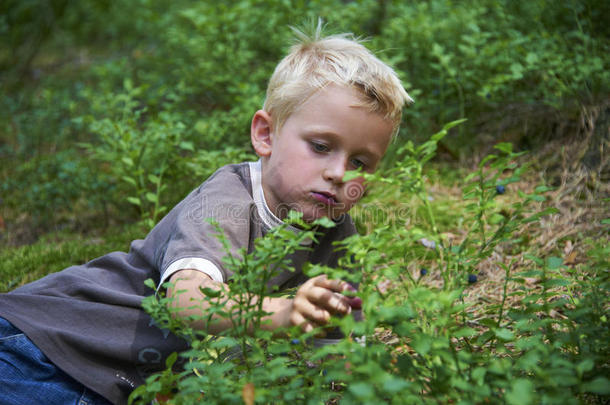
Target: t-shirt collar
269,219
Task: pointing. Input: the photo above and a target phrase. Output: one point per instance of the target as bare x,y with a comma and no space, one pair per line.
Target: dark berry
500,189
423,271
355,302
472,278
295,341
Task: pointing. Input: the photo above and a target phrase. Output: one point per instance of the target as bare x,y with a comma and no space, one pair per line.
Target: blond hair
316,62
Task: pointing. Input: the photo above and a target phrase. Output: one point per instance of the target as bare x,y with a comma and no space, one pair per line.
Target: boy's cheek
354,191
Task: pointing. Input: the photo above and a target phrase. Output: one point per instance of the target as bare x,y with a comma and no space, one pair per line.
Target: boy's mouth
324,197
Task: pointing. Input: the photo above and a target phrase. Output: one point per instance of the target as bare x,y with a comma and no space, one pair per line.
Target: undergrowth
118,77
543,341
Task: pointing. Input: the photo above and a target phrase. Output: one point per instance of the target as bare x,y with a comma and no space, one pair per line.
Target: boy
331,106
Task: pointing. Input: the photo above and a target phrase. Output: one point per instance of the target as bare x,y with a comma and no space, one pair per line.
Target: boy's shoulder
225,196
228,187
230,178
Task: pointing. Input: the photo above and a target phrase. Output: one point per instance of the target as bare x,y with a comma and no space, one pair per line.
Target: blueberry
472,278
295,341
355,302
500,189
423,271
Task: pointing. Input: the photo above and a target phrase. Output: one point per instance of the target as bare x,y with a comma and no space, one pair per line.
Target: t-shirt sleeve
186,239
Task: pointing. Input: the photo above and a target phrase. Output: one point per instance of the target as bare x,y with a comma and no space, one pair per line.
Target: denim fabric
27,376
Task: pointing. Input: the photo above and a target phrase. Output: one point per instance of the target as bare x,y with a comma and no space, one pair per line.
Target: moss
56,251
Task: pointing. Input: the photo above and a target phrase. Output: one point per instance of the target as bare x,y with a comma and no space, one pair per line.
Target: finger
328,300
346,289
310,311
306,326
333,284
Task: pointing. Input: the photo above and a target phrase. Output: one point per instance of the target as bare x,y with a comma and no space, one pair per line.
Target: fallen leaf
247,394
571,258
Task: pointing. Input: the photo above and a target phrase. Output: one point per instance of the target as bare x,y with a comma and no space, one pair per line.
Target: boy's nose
335,171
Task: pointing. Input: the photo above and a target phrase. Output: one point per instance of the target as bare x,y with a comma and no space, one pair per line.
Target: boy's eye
357,163
319,147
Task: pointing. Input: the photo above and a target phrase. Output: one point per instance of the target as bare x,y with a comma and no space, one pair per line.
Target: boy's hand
318,299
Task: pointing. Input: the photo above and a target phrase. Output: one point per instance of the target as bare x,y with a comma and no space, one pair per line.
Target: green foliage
470,59
49,183
145,71
137,155
440,351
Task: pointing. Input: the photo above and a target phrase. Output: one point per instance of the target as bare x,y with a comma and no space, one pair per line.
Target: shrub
425,341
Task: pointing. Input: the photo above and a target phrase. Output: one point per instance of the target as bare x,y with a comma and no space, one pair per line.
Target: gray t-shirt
88,319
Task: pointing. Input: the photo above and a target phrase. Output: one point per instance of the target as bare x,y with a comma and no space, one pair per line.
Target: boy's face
305,162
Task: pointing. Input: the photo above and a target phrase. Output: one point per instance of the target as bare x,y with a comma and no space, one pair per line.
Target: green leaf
531,58
585,366
128,161
351,175
361,390
209,292
394,385
517,70
537,198
600,385
521,392
505,334
543,189
187,146
470,176
171,359
134,201
505,147
130,180
153,179
478,374
152,197
325,222
128,84
487,159
557,282
554,263
422,344
464,332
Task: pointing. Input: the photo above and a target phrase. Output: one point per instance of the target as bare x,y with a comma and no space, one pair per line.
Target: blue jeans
27,376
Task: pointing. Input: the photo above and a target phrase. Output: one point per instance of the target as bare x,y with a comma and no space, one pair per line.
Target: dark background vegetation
177,82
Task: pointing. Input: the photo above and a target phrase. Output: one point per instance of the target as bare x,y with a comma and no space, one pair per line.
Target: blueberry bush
426,341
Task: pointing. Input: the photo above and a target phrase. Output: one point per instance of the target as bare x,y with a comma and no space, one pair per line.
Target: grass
58,250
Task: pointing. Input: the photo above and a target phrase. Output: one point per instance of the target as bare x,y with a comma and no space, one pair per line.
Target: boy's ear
260,133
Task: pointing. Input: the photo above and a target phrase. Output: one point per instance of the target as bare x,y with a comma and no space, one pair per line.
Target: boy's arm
312,305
